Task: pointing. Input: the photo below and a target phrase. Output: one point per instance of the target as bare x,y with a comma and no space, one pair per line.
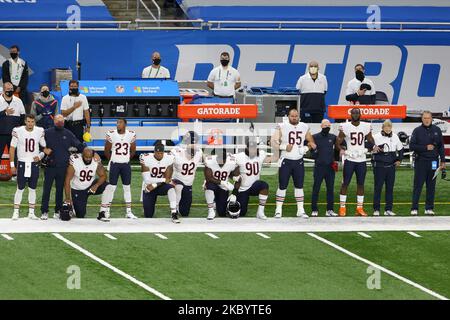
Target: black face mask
224,62
156,62
325,131
74,92
9,94
359,75
45,94
14,55
384,134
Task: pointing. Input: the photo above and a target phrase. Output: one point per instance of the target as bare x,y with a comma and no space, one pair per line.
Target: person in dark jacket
428,146
15,70
59,140
384,165
44,108
12,114
324,168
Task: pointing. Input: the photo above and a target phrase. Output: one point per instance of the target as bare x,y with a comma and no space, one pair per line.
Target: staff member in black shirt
324,168
384,165
312,87
428,146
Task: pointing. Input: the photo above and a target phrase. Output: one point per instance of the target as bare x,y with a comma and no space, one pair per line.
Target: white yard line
365,235
110,236
111,267
370,263
265,236
161,236
414,234
7,237
212,235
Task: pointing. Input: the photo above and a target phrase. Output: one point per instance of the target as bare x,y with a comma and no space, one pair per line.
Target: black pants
5,140
57,174
80,198
311,117
76,127
383,175
423,173
322,172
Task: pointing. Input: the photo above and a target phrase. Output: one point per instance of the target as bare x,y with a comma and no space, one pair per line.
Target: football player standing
355,134
120,148
26,140
289,137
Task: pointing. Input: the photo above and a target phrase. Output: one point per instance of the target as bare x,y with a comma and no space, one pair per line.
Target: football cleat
130,215
376,213
56,215
15,216
32,216
261,215
315,214
389,213
102,216
278,215
44,216
211,214
360,212
331,213
302,215
342,211
175,218
429,212
414,212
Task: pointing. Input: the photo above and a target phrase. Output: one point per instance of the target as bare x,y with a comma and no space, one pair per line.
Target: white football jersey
218,172
355,137
121,145
157,167
184,167
294,135
250,169
27,142
84,174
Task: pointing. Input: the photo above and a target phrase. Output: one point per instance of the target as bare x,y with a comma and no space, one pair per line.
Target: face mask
325,131
45,94
359,75
313,70
9,94
224,62
74,92
14,55
156,62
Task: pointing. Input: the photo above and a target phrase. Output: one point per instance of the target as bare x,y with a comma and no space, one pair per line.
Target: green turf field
234,266
402,196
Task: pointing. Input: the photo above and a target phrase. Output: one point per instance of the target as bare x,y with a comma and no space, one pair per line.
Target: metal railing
156,18
64,25
143,24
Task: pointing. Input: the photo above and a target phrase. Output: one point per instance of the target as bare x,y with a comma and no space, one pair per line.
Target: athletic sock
360,201
299,197
281,195
262,202
17,200
342,199
172,196
31,200
127,197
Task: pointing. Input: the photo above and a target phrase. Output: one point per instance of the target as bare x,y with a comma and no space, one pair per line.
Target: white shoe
56,215
302,215
414,212
429,212
389,213
129,215
44,216
376,213
15,216
211,214
32,216
314,213
278,215
331,213
261,215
